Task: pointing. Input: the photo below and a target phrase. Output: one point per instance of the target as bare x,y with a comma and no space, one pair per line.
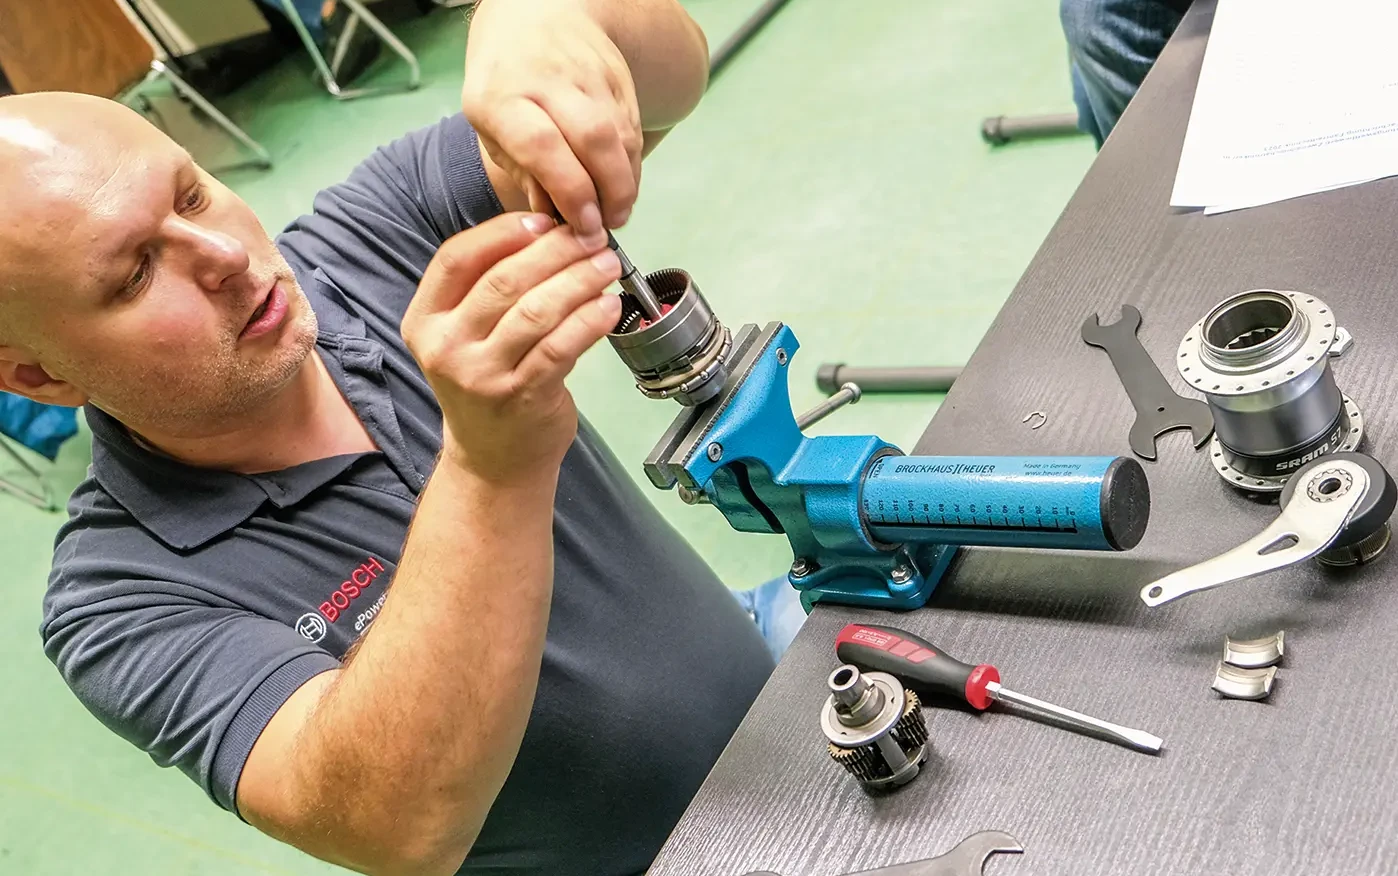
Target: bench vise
867,525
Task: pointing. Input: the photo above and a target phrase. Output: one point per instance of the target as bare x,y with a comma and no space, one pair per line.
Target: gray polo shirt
186,605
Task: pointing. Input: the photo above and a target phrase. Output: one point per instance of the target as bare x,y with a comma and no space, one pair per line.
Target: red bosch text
350,589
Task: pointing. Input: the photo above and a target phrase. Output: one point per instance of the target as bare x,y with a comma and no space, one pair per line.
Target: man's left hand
553,101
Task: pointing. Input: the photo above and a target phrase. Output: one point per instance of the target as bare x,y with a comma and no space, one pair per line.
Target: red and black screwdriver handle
915,662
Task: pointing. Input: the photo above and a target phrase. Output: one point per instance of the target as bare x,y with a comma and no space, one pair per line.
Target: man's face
143,284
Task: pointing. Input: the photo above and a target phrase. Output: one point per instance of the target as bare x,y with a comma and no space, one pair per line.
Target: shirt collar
186,506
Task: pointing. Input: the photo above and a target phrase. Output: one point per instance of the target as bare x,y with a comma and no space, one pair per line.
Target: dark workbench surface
1303,783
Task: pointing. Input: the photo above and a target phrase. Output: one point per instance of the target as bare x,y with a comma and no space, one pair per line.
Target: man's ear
21,374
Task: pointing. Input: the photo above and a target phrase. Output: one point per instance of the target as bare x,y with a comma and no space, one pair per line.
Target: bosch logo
311,626
350,589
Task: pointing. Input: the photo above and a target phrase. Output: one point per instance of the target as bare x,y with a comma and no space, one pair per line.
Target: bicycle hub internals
875,727
1262,360
681,353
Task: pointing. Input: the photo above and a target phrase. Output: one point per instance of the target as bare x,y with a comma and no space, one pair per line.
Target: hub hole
1249,323
843,677
1328,486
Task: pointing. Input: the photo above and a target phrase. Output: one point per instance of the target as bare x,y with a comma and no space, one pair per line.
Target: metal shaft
1138,739
934,378
634,282
848,395
1003,129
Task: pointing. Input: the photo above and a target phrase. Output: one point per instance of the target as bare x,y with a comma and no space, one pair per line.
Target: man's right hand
500,318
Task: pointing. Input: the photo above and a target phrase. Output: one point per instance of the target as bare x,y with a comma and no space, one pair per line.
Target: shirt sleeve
190,683
397,207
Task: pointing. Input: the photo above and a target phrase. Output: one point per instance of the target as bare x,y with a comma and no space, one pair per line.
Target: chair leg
342,46
263,158
328,68
373,23
43,498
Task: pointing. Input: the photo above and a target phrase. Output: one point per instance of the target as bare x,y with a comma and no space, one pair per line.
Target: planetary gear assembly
875,727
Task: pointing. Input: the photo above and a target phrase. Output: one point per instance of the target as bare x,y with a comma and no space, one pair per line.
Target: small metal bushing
681,354
1262,360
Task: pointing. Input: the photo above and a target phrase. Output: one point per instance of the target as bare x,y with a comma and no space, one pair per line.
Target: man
1112,44
282,430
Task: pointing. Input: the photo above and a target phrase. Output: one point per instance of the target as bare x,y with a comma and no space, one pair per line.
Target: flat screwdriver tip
1145,741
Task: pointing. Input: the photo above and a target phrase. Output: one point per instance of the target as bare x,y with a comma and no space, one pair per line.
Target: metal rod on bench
934,378
1003,129
725,52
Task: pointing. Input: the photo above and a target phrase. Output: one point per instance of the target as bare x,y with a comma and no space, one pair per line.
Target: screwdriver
634,283
921,665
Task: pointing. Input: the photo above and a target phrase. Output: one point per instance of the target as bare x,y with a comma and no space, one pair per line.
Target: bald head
68,163
53,125
61,145
129,276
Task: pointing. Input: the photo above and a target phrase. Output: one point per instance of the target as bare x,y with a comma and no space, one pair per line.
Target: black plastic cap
828,377
1374,509
1125,504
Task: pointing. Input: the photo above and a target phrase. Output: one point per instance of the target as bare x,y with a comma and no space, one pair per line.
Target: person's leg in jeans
325,21
1112,45
777,610
1087,120
311,12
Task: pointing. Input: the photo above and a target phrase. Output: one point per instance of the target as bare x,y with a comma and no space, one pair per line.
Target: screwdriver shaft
634,282
1138,739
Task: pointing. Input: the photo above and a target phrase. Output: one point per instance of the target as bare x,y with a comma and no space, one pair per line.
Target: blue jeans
776,609
1112,45
309,13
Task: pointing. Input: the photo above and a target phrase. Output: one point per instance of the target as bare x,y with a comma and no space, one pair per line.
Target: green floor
833,178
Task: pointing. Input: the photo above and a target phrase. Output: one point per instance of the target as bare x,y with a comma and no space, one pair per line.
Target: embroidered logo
350,590
311,626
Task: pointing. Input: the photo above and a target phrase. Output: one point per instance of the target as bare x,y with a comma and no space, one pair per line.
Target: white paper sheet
1294,97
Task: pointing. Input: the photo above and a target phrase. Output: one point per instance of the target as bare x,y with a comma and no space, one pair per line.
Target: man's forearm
403,753
666,52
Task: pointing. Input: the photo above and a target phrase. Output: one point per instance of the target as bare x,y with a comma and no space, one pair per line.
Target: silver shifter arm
1310,522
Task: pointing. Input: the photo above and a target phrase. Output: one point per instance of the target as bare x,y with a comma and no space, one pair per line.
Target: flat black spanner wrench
967,859
1159,409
